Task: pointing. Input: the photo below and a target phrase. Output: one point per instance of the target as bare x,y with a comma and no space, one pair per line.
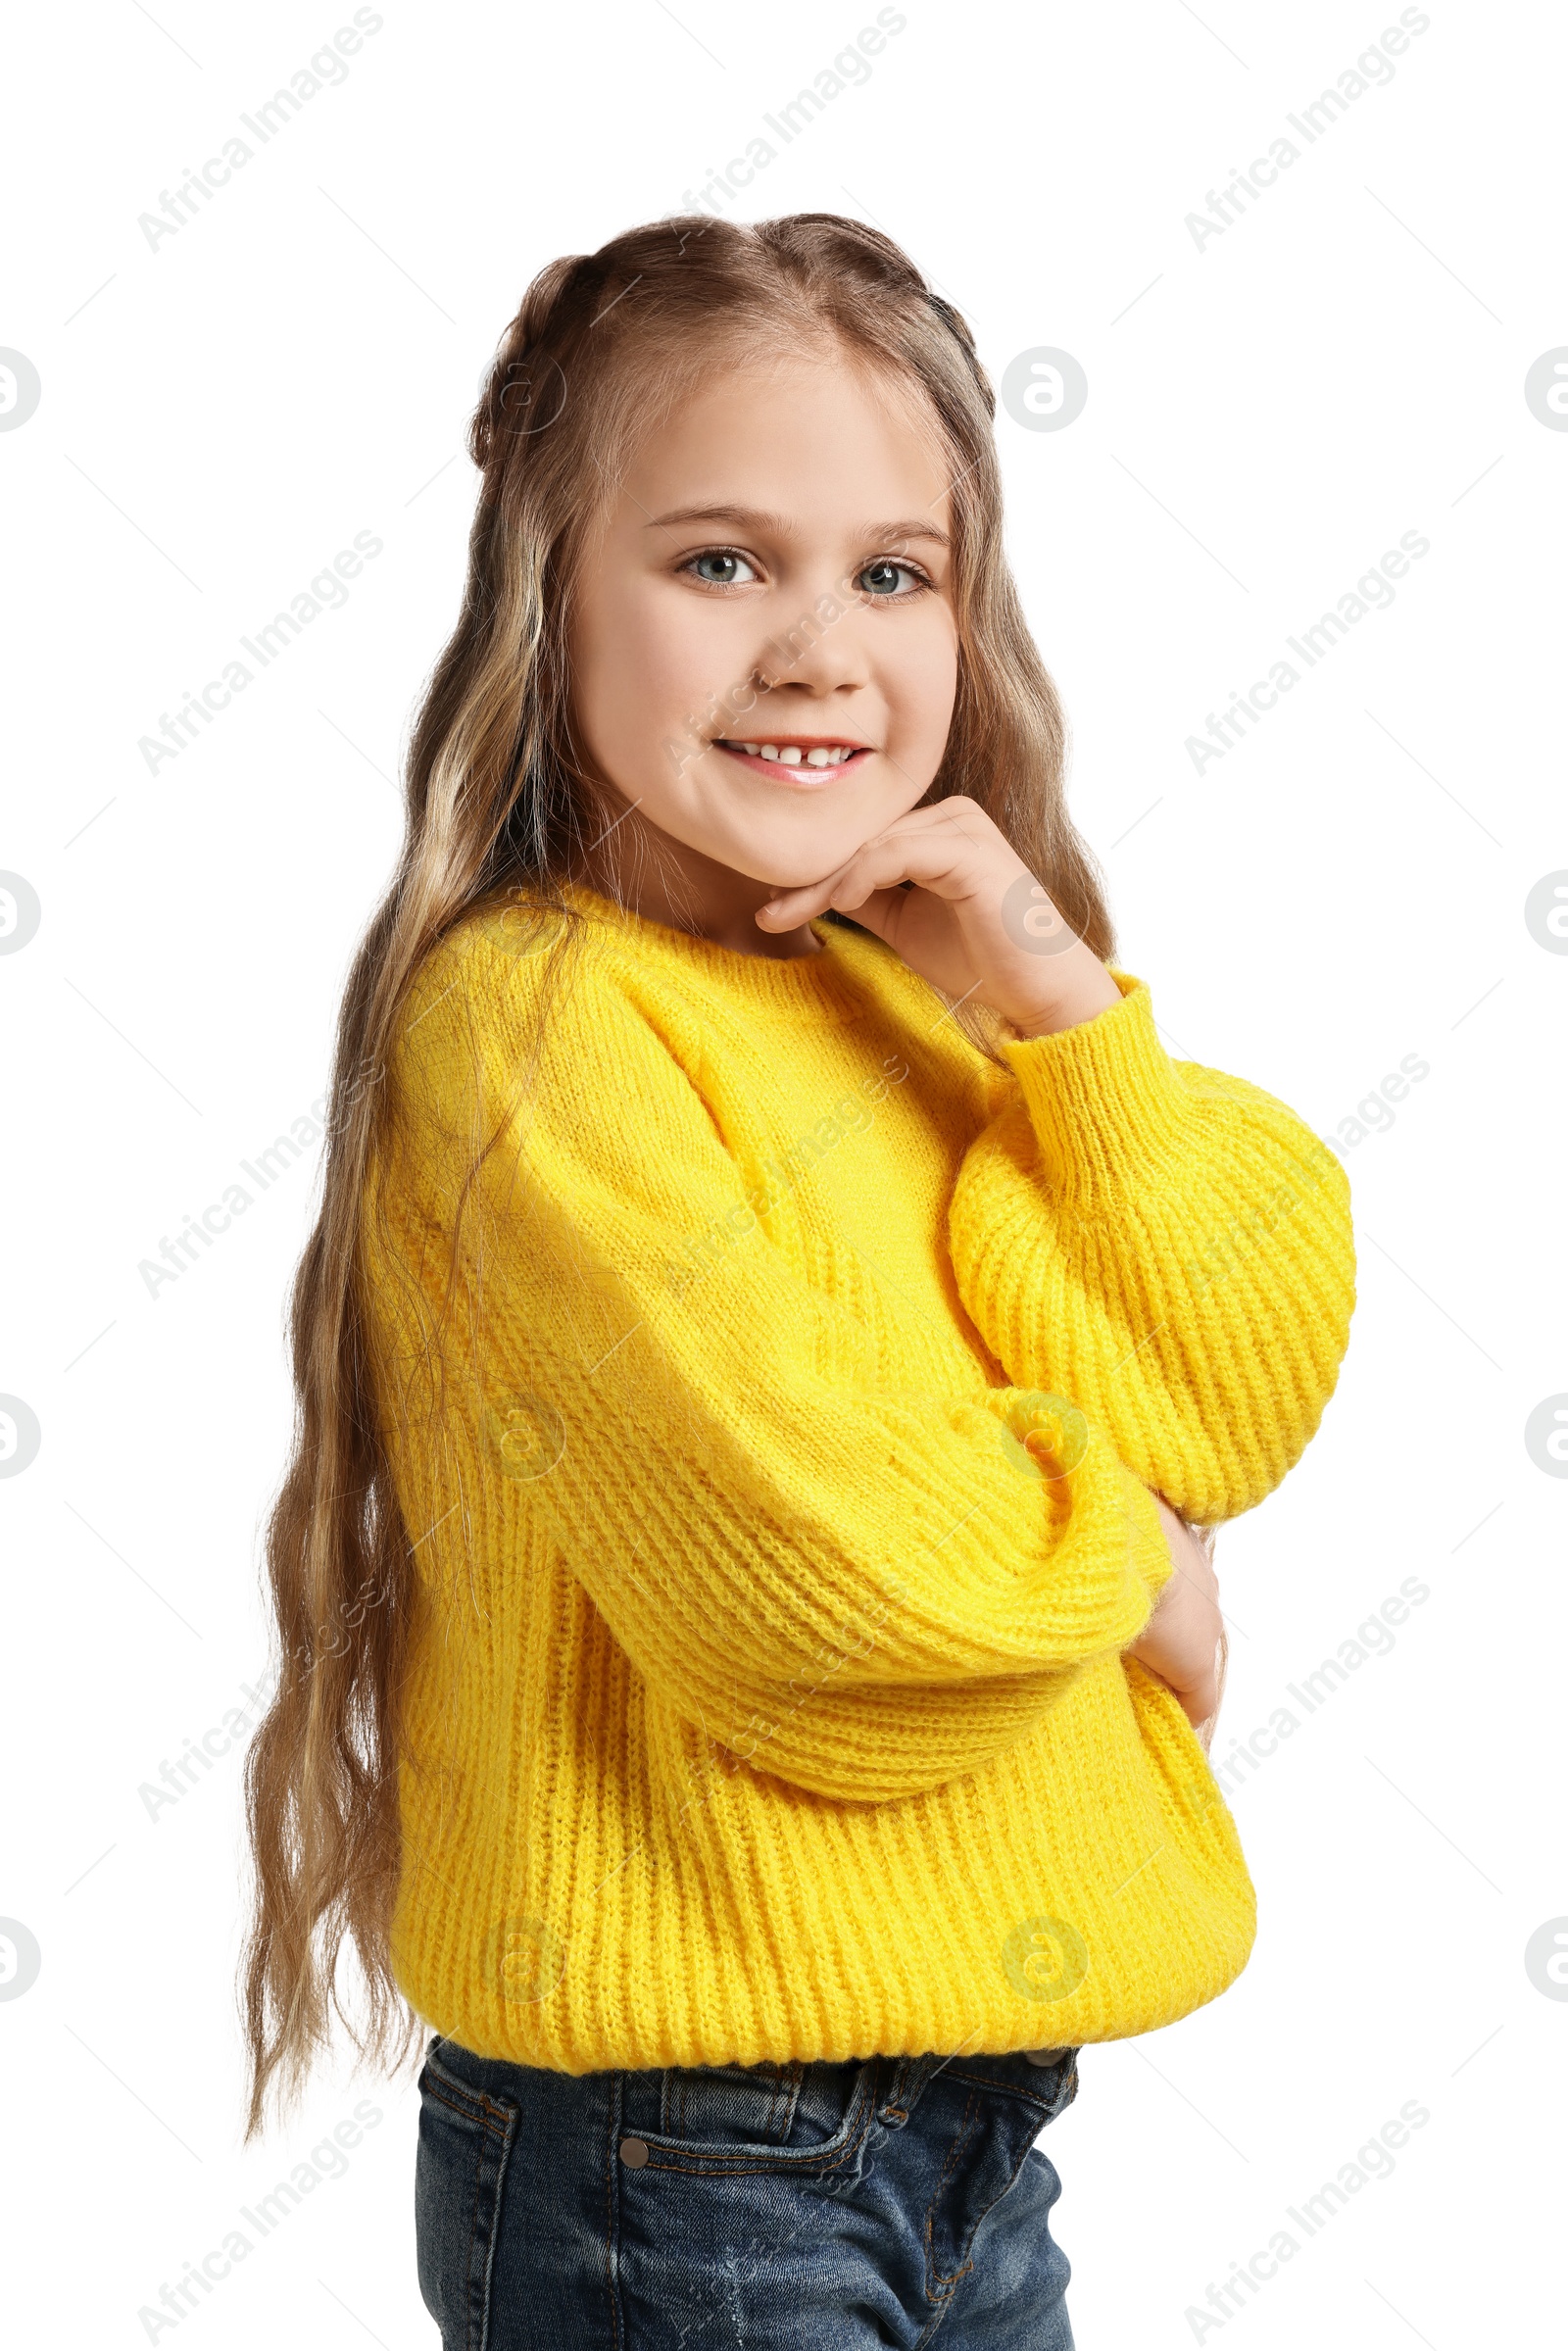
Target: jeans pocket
704,2102
746,2118
466,2137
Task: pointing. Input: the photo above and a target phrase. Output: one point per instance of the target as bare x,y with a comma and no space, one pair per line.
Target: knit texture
774,1429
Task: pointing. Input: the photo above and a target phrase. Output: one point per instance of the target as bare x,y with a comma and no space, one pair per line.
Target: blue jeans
779,2207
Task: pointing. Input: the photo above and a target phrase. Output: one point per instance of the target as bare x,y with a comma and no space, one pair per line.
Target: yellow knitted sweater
778,1474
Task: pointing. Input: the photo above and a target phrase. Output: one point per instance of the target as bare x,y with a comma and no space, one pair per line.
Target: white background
1267,415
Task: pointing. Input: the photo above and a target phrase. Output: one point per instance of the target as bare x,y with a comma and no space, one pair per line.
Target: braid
957,326
524,386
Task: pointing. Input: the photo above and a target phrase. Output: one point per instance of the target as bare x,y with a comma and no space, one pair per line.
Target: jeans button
634,2153
1045,2056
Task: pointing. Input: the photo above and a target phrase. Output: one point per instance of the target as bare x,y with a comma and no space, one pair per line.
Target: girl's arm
1169,1247
871,1592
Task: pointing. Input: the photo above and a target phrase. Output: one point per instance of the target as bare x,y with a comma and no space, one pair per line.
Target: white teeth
790,755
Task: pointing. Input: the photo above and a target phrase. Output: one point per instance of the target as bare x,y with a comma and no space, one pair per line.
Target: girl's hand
975,923
1184,1640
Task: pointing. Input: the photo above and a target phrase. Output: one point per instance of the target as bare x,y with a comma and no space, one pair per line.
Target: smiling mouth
795,757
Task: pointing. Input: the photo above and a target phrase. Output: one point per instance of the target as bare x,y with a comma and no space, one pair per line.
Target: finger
881,913
937,860
924,846
879,864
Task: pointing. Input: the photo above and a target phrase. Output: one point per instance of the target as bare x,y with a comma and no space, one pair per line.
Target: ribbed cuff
1106,1101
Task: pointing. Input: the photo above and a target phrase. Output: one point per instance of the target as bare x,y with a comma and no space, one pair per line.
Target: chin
795,868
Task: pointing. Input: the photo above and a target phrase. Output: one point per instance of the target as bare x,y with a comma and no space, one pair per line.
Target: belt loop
909,2081
892,2102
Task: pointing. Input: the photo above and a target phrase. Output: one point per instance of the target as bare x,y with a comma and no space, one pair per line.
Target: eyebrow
757,518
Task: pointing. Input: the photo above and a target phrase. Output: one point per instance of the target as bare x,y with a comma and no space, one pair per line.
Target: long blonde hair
500,804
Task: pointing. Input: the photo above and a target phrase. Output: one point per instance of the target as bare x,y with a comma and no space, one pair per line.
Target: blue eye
727,567
881,577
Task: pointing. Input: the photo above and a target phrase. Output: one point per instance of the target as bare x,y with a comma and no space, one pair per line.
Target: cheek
645,665
922,681
619,673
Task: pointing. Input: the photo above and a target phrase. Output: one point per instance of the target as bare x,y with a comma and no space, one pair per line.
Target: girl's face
791,523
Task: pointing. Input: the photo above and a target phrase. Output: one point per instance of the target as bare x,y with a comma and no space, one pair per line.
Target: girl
776,1319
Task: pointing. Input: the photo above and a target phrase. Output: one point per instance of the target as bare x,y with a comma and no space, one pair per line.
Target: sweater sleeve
863,1592
1169,1246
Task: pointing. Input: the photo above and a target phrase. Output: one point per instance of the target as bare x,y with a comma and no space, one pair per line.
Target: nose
823,652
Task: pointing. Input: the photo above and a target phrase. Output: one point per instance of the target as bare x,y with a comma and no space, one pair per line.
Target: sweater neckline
790,979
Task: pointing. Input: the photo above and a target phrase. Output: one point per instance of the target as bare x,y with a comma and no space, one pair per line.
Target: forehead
807,437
